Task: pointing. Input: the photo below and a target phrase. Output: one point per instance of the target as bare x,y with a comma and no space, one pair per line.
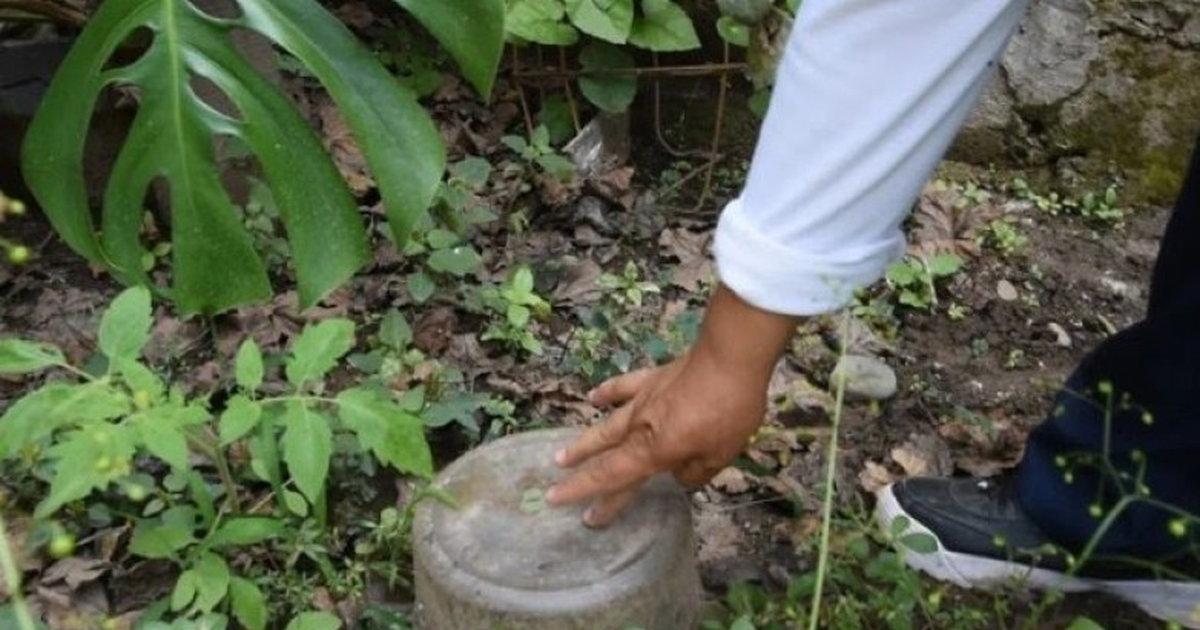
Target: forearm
742,337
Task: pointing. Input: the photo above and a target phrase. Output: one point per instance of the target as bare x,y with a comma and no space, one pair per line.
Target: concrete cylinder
501,558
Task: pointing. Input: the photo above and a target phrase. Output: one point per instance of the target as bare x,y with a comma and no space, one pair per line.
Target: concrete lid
503,548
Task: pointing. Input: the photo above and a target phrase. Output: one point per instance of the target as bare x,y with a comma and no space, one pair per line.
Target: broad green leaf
248,603
295,503
439,238
125,326
742,623
612,93
394,435
307,447
55,405
85,459
456,261
141,380
18,356
420,286
248,368
540,22
919,542
1084,623
163,439
472,171
733,31
184,592
314,621
902,273
472,31
241,416
663,26
160,541
394,331
610,20
318,349
943,265
212,582
172,137
242,531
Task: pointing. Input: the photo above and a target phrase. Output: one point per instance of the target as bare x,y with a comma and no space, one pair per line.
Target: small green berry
136,493
141,399
1178,527
1095,510
61,546
16,207
18,255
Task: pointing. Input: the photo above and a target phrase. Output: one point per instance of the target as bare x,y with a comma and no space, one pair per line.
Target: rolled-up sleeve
869,95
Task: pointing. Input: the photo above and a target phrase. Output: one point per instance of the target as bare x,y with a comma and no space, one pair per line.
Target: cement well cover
502,558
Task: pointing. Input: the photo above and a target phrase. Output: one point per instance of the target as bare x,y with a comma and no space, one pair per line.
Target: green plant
538,152
513,306
1005,237
216,266
656,25
14,253
91,440
914,279
627,289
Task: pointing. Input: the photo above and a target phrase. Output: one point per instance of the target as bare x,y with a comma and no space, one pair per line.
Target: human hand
689,418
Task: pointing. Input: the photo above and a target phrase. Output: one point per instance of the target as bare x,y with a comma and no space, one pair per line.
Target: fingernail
591,396
589,517
560,457
551,494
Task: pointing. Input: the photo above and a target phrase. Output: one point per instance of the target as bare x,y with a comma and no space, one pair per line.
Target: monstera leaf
215,265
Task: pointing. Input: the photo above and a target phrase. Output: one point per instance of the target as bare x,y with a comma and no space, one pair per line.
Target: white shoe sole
1165,600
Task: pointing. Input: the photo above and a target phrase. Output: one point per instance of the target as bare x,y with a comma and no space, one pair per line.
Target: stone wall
1092,91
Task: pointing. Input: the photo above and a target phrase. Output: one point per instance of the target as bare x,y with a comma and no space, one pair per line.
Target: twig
46,8
562,65
831,458
718,126
658,130
516,66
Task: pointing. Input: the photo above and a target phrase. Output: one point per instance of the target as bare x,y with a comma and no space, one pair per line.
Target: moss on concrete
1145,132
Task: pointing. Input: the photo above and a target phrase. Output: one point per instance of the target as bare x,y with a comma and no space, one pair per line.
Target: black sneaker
984,540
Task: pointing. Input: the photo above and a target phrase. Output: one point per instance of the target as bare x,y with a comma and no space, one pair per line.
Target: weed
513,306
628,289
914,279
538,152
14,253
119,440
1004,237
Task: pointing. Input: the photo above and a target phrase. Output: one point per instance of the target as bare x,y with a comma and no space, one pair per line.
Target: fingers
604,511
596,439
612,471
619,389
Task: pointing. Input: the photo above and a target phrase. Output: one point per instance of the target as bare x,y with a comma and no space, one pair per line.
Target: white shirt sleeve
868,96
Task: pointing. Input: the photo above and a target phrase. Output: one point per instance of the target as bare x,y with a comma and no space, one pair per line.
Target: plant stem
45,8
831,456
12,579
673,71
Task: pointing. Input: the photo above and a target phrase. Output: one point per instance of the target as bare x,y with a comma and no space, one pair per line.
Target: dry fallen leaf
874,477
946,223
924,455
691,250
731,480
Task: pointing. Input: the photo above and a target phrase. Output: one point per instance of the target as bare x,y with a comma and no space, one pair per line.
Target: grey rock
867,378
1049,57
